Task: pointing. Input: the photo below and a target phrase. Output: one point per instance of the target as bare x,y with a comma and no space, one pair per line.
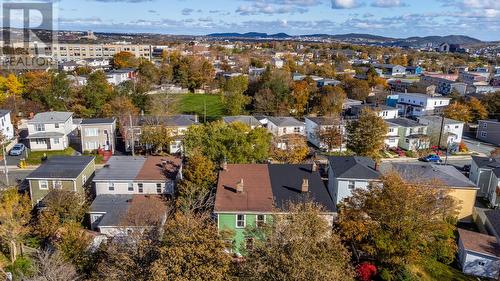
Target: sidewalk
407,159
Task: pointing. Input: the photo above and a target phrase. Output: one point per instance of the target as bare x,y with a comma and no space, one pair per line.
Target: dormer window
56,125
39,127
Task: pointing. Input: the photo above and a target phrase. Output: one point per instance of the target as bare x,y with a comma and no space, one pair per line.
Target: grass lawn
195,104
439,271
35,157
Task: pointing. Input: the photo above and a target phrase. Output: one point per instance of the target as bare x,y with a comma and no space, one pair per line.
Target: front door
47,141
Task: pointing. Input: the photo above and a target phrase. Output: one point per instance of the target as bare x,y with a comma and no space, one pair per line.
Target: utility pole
133,133
5,166
441,132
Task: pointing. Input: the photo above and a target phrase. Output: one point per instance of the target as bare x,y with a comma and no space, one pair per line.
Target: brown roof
153,169
479,243
257,194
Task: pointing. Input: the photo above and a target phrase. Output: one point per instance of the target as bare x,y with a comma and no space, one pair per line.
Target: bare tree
52,267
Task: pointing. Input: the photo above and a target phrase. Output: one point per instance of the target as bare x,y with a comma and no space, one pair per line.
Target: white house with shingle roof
280,126
50,130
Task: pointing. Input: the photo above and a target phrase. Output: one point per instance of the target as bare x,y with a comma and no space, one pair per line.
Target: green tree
298,245
492,103
156,138
366,135
191,249
96,93
400,223
234,97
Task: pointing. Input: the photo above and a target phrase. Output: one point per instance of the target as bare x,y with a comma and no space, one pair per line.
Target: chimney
314,166
305,185
224,165
376,166
239,186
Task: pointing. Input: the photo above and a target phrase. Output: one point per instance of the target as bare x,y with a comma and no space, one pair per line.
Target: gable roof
353,167
51,117
248,120
257,194
405,122
61,167
169,121
98,121
285,121
448,175
479,242
120,168
486,162
286,183
4,112
324,121
159,168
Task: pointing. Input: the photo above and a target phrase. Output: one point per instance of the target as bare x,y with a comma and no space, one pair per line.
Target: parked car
17,150
433,158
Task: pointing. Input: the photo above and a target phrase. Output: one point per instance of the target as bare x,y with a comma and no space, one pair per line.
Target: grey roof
248,120
374,106
353,167
286,183
324,121
98,121
51,117
285,121
61,167
114,205
43,135
405,122
4,112
486,162
493,216
437,119
120,168
176,120
448,175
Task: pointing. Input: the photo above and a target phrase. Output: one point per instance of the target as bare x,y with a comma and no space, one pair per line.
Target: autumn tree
301,96
156,138
330,136
290,149
356,89
477,110
366,135
492,103
191,249
331,101
458,111
73,242
198,181
15,214
298,245
124,60
400,223
234,97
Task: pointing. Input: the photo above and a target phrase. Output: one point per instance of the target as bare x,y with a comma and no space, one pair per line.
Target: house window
284,130
260,220
141,187
351,184
39,127
296,129
57,184
158,188
481,263
84,179
407,140
56,141
43,185
485,125
111,186
56,125
240,221
91,145
130,186
484,134
91,132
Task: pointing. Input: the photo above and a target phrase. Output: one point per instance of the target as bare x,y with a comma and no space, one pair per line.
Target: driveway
480,147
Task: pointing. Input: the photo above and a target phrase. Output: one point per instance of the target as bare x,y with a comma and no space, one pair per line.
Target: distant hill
360,38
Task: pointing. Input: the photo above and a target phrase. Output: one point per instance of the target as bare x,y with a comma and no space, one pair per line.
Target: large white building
6,127
417,104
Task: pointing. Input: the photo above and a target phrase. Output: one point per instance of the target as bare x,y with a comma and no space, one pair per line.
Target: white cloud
388,3
345,4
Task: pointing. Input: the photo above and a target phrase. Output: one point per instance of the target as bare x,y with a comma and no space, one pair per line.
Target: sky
394,18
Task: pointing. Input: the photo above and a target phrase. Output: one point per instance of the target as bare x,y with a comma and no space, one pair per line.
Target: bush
366,271
22,267
462,147
410,154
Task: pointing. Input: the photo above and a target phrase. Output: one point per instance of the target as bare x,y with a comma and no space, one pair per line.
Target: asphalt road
15,177
478,146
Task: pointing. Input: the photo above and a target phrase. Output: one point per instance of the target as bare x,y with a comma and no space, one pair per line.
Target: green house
61,172
248,195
